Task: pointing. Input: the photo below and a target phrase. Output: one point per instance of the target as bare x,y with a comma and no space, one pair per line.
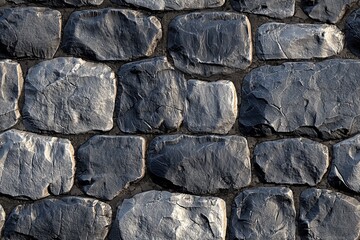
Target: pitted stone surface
329,215
211,106
352,29
107,164
152,96
263,214
209,43
32,32
298,41
67,218
86,102
203,164
111,34
160,5
164,215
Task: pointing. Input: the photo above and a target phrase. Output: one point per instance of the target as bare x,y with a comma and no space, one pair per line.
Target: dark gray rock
70,96
60,3
203,164
151,96
161,5
263,214
352,29
32,32
298,41
67,218
328,215
210,43
164,215
2,2
111,34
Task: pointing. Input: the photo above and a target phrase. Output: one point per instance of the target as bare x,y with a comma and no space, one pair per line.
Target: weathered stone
298,41
328,215
107,164
2,218
203,164
152,96
263,213
111,34
164,215
60,3
161,5
32,32
209,43
352,29
70,96
35,166
66,218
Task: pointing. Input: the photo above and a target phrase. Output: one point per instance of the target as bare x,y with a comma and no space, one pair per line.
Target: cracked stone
60,3
161,5
352,30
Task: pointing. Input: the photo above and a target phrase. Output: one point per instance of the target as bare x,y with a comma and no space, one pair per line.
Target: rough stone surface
60,3
203,164
107,164
152,96
160,5
32,32
67,218
352,29
86,102
328,215
164,215
210,43
128,34
263,214
2,218
298,41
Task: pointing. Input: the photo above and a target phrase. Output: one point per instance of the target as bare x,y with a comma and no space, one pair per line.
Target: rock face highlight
161,5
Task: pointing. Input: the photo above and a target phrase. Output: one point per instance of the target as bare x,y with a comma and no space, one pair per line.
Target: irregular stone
161,5
152,96
128,34
165,215
208,43
2,218
328,215
298,41
69,95
32,32
107,164
65,218
263,214
352,29
61,3
201,165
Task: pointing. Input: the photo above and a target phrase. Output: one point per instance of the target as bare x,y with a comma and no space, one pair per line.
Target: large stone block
160,5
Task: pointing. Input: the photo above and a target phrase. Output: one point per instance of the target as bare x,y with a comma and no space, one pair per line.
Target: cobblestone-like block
60,3
161,5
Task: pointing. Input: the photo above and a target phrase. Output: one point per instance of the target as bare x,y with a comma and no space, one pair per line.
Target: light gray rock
163,216
111,34
151,96
328,215
32,32
2,218
263,214
298,41
69,95
201,165
352,29
107,164
66,218
161,5
209,43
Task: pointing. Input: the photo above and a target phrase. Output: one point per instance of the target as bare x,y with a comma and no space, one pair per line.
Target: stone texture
263,214
328,215
352,29
60,3
66,218
2,2
161,5
86,101
292,161
209,43
163,215
151,96
107,164
204,164
128,34
298,41
2,218
31,32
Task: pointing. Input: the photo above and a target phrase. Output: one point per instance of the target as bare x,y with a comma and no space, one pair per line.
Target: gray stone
328,215
298,41
352,29
34,166
161,5
69,95
32,32
2,218
292,161
66,218
163,216
61,3
111,34
2,2
209,43
263,214
152,96
107,164
201,165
